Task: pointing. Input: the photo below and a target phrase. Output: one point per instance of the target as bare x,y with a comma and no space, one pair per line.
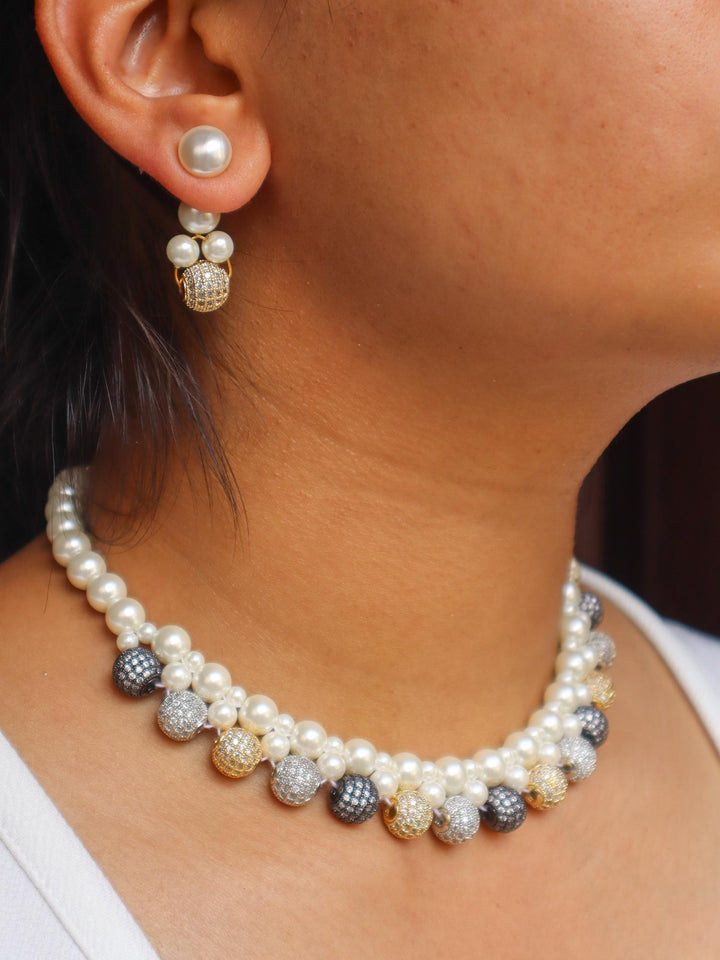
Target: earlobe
138,74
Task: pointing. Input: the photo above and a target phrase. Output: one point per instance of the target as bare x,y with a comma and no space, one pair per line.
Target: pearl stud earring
204,284
205,151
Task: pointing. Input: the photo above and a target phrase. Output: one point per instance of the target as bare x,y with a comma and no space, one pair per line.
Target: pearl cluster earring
204,152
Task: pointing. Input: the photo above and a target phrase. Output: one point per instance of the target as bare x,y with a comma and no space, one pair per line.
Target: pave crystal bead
604,647
182,715
595,725
408,815
547,786
505,810
136,671
205,286
458,820
578,757
602,691
236,752
295,780
591,604
355,799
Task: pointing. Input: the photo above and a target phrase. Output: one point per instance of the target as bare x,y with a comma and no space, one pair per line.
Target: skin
479,239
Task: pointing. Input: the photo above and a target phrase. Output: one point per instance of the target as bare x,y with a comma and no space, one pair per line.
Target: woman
471,240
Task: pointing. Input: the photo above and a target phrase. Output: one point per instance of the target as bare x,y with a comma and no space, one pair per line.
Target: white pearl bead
124,614
176,676
582,694
565,676
563,693
171,643
212,682
572,725
476,791
471,769
275,746
194,660
590,657
549,753
146,632
218,247
222,715
536,733
434,792
571,593
104,589
360,756
573,661
575,631
205,151
383,761
549,722
308,739
451,774
197,221
490,767
524,747
286,724
509,757
386,781
61,523
409,768
182,251
63,505
258,714
127,640
236,695
429,770
331,765
516,777
83,567
68,545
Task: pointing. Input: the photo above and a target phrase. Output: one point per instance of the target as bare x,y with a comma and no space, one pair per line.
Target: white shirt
55,902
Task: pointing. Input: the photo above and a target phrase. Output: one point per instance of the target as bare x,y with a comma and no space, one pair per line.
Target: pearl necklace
452,796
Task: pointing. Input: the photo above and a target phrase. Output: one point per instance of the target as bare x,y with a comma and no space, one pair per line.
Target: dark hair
93,340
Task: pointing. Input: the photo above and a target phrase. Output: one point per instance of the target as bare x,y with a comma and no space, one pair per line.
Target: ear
138,73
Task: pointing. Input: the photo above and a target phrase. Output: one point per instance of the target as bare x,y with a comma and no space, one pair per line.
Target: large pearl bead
197,221
258,714
182,251
205,151
451,773
275,746
124,614
360,756
68,545
83,567
410,771
176,676
491,767
212,682
308,739
218,247
104,589
171,643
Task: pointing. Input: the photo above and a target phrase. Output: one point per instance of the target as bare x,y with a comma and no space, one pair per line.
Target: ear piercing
204,284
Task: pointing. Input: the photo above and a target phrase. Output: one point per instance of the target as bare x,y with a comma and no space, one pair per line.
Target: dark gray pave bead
595,725
295,780
182,714
136,672
504,811
355,799
592,606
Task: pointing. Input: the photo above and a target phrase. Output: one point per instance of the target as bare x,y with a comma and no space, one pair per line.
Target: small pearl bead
537,734
433,791
222,715
197,221
68,545
516,777
525,748
83,567
182,251
194,660
549,753
205,151
275,746
476,791
451,774
549,722
104,589
176,676
332,765
212,682
360,756
590,657
383,761
509,757
572,725
285,724
386,782
409,769
236,696
308,739
565,677
171,643
571,593
61,523
124,614
146,631
563,693
582,694
258,714
575,631
127,640
471,769
490,766
429,770
572,661
218,247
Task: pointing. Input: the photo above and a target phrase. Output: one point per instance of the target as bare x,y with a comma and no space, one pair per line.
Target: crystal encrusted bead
205,286
595,725
578,757
408,815
236,752
457,820
355,799
295,780
136,672
182,715
591,604
602,691
547,786
504,811
604,647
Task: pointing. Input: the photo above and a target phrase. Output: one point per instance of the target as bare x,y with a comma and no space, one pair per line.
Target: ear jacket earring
204,284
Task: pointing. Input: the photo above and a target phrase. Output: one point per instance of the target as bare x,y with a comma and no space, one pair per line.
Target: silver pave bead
458,820
577,757
595,725
505,810
604,647
355,799
182,715
136,671
295,780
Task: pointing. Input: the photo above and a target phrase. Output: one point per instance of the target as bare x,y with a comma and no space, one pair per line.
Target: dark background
649,511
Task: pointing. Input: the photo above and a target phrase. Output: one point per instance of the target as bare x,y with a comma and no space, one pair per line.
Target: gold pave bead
205,286
236,752
547,786
602,691
408,815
